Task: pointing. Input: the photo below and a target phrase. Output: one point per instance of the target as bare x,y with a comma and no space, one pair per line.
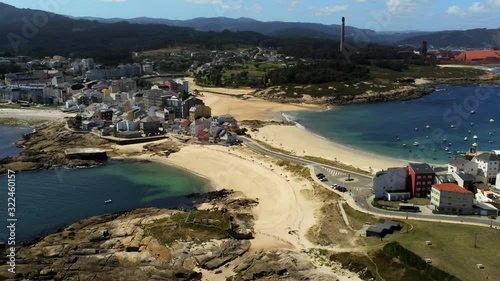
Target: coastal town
231,149
118,111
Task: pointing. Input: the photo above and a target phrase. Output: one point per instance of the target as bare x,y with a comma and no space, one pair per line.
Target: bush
392,65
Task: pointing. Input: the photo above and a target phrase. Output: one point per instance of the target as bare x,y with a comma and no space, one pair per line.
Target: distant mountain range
116,38
474,38
273,28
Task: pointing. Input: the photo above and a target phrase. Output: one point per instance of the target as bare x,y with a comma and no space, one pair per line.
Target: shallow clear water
376,127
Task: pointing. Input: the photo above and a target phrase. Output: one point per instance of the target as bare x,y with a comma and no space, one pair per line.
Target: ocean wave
293,119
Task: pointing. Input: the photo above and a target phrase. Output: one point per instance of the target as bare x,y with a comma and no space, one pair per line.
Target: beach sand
303,142
256,178
252,108
231,101
283,205
34,114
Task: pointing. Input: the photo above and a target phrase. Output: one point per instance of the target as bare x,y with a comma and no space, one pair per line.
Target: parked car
334,186
341,189
323,179
320,175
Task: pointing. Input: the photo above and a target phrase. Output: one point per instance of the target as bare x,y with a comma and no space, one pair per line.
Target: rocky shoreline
401,93
125,246
44,149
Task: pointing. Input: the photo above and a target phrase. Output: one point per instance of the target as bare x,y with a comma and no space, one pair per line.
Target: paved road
360,189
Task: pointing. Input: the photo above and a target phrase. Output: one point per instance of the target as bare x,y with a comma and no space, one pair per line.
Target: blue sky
378,15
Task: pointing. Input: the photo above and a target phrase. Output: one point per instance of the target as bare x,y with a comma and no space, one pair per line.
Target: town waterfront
47,200
438,123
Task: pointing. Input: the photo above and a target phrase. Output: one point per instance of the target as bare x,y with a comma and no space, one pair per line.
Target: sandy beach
231,101
33,114
284,213
303,142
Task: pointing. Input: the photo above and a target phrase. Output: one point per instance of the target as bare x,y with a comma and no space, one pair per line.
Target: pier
86,153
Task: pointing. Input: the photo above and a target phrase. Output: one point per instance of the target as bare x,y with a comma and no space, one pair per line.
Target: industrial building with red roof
479,56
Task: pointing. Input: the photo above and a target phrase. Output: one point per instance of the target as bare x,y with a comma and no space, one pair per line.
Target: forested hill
271,28
111,43
37,33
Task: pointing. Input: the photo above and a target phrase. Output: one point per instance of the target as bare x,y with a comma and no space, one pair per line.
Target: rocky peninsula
44,149
160,244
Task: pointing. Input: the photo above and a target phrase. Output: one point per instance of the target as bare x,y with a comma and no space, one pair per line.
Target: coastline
302,142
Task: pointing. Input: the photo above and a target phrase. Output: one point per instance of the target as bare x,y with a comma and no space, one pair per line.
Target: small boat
108,201
472,123
426,137
416,143
472,112
469,132
475,137
428,126
404,144
446,148
465,139
452,126
449,144
416,129
492,120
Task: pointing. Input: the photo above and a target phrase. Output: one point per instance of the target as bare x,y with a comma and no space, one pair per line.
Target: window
429,177
429,182
419,177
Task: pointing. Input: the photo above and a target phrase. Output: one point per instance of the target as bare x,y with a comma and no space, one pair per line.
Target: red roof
479,55
451,187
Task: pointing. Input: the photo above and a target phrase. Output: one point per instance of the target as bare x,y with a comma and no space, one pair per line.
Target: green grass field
198,226
452,248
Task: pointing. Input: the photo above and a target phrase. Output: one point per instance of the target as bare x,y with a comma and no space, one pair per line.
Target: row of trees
318,72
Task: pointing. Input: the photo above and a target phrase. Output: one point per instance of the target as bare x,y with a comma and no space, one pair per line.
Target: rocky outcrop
44,149
118,247
280,264
400,94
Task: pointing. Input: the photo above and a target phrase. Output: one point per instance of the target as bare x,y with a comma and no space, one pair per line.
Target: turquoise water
8,136
375,128
47,200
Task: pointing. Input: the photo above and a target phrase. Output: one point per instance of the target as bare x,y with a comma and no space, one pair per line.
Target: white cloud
256,8
454,10
401,6
294,3
477,7
327,11
221,4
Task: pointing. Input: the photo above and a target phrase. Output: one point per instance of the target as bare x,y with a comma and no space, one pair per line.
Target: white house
462,165
127,125
393,180
488,164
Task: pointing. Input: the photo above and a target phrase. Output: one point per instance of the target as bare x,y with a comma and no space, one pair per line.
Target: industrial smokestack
342,34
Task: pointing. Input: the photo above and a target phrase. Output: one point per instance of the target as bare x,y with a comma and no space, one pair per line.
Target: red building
106,114
422,178
173,86
489,56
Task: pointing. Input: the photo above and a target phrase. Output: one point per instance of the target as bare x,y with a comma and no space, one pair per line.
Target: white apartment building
451,198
